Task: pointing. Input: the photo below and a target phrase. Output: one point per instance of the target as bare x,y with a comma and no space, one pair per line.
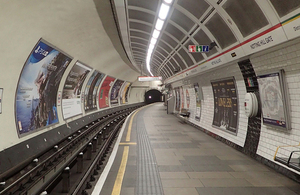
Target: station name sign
145,78
198,48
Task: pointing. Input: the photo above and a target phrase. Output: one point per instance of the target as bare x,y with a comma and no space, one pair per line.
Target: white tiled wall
207,105
285,57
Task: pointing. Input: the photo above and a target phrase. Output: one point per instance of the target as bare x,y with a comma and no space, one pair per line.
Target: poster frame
1,99
20,74
237,102
82,64
285,99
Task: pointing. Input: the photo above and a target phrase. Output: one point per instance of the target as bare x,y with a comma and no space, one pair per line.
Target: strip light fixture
162,15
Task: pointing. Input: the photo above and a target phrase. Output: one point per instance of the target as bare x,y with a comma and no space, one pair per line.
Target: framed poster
36,93
91,89
114,95
225,104
274,100
1,95
177,95
104,91
198,93
72,91
124,92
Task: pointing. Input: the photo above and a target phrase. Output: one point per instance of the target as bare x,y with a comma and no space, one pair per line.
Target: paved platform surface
163,156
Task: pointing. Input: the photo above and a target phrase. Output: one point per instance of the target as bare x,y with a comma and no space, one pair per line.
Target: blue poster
37,88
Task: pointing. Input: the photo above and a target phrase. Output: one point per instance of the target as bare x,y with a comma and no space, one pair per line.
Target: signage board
146,78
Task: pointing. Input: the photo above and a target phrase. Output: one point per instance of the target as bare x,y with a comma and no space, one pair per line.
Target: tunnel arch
152,96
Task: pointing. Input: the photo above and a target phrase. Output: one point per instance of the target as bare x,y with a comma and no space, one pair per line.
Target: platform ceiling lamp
162,15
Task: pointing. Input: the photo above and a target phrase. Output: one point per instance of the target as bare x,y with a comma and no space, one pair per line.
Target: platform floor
164,156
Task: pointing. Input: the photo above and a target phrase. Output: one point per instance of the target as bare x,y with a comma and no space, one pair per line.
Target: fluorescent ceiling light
159,24
151,46
156,33
163,12
168,1
153,41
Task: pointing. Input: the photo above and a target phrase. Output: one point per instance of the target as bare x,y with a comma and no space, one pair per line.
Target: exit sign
198,48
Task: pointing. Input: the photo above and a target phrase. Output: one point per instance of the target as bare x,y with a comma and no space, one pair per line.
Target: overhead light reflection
159,24
168,1
153,41
163,12
155,33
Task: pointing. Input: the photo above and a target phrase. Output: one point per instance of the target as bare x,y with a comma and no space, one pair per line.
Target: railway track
71,166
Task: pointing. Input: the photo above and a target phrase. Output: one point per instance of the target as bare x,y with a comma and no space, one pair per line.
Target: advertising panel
104,92
123,93
198,93
72,92
225,104
127,93
177,95
1,92
37,88
90,92
181,98
273,100
114,95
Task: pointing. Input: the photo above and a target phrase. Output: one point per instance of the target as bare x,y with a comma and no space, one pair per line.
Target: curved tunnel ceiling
193,22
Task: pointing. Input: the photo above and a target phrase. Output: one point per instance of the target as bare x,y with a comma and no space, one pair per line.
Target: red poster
104,92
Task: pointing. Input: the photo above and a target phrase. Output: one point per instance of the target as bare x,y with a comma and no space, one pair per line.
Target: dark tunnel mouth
153,96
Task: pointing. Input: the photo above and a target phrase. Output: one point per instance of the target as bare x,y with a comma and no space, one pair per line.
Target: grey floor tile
180,191
211,168
225,182
174,168
245,191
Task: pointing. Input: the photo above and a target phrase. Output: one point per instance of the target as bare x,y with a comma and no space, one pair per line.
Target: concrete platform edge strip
100,182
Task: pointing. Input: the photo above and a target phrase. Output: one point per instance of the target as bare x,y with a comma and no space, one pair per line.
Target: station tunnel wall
249,135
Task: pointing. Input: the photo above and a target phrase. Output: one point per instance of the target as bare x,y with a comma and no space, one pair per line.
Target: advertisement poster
1,92
177,95
104,92
187,96
37,88
71,97
90,92
114,95
272,100
225,105
127,93
198,93
124,92
192,103
181,98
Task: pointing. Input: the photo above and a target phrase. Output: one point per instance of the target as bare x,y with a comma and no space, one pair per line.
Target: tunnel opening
153,96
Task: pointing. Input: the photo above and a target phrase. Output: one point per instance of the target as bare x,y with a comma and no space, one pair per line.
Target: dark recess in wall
152,96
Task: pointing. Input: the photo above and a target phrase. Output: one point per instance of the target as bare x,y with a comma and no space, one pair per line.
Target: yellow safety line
120,176
119,180
129,127
127,143
130,124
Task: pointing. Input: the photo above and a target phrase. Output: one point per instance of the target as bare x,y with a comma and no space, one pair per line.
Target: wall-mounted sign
1,94
36,96
226,104
91,89
114,94
198,48
274,100
145,78
72,96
